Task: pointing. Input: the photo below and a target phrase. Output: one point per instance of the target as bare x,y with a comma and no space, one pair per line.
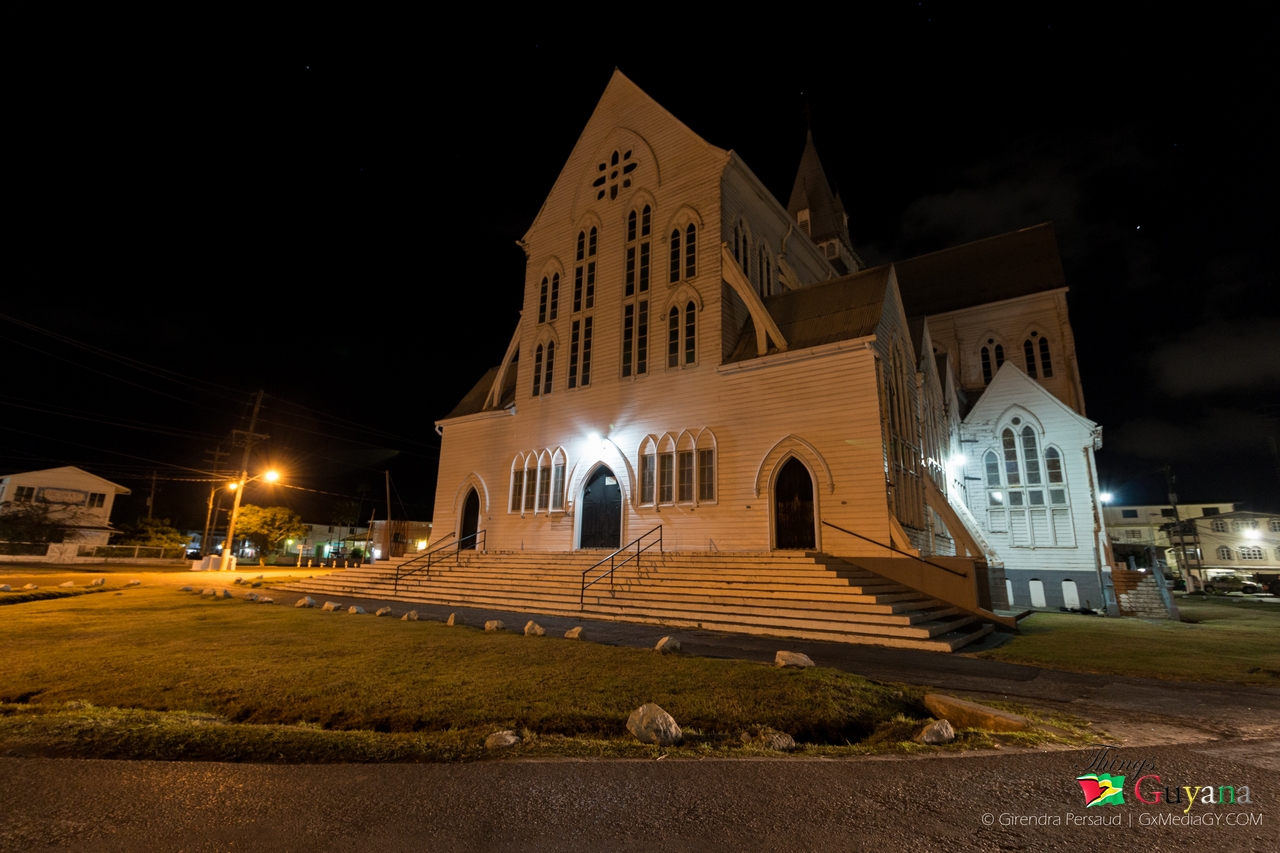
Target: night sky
335,222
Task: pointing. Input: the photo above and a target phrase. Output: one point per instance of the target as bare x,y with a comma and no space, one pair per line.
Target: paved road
1218,709
935,804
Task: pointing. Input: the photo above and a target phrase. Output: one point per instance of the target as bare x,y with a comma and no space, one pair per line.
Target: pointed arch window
682,337
690,333
517,484
639,227
537,370
1029,353
1037,344
542,299
1027,496
675,256
992,359
648,472
557,480
690,251
554,308
766,272
551,367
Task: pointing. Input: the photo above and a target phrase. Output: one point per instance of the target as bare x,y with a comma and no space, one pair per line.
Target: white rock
452,620
134,583
651,724
260,577
383,611
4,587
411,616
939,731
573,633
502,740
238,581
208,591
266,600
305,601
666,646
493,626
770,739
68,583
533,629
253,596
332,606
98,582
355,609
31,586
792,659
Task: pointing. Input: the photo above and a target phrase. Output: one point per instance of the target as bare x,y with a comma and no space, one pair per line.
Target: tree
268,526
31,522
153,533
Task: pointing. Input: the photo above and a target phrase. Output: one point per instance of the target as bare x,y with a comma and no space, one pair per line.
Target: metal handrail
613,564
479,536
896,551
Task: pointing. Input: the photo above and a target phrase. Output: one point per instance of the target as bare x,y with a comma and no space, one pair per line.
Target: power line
104,450
105,420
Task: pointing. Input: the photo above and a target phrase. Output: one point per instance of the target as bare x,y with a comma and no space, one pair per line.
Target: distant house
81,501
1150,525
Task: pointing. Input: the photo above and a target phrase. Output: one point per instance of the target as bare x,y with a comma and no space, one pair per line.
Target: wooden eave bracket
766,329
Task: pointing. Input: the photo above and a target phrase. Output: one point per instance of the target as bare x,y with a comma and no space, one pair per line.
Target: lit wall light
1105,497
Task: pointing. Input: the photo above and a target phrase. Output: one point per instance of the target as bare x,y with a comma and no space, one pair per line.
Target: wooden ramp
811,596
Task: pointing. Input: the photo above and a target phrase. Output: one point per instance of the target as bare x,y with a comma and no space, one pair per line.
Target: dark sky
335,222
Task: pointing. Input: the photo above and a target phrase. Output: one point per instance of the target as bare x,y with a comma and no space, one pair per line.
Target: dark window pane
675,255
628,337
555,296
686,475
537,371
586,351
666,464
690,320
542,302
673,337
706,475
1046,365
690,251
573,355
577,289
644,267
1030,355
551,366
642,338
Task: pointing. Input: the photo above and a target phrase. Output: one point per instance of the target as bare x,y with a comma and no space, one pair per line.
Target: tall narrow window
746,256
1053,464
673,337
1010,445
647,474
629,278
675,256
690,338
1046,364
690,251
537,370
666,471
517,489
542,300
999,356
986,366
646,216
764,272
544,487
706,475
1029,352
555,297
686,474
557,485
551,366
628,337
591,269
530,488
1032,456
579,271
586,351
642,338
574,334
992,463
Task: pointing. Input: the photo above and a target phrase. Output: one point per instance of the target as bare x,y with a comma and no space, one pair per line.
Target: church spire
820,211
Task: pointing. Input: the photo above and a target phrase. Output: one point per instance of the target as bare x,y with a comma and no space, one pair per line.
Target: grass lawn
154,672
1222,638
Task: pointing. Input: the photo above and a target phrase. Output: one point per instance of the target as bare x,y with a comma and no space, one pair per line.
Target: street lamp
238,488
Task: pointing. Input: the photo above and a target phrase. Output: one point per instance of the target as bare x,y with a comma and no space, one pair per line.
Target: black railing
424,562
612,560
896,551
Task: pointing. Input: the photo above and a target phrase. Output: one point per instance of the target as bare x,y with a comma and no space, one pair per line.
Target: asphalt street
975,802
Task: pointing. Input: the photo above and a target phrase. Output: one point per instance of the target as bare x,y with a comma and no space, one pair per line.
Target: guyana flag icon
1102,789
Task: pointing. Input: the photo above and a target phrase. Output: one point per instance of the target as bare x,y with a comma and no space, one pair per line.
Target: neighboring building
1149,525
1230,543
686,357
80,500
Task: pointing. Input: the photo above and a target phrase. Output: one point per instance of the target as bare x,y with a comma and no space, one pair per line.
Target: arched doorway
601,511
793,508
470,521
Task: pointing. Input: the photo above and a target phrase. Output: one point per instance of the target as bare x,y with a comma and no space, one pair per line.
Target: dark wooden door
470,522
601,511
793,507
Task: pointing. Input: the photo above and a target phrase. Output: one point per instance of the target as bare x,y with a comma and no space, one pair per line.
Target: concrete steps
807,596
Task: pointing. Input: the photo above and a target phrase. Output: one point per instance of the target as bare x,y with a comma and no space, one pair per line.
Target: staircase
810,596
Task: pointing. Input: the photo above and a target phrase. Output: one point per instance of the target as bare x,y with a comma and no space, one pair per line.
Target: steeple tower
820,211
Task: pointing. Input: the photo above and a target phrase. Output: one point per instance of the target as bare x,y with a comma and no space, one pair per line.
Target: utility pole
214,457
1169,480
151,501
389,534
248,438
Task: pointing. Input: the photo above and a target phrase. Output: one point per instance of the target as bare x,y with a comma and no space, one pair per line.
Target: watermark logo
1102,789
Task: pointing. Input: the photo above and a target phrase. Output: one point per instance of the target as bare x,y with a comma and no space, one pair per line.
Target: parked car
1231,583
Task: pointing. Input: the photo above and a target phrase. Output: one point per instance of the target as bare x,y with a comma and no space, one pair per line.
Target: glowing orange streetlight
238,487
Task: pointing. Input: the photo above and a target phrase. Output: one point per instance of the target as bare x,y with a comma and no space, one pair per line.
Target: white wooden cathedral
696,355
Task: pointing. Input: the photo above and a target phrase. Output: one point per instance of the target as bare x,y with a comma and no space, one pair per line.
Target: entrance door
601,511
793,507
470,522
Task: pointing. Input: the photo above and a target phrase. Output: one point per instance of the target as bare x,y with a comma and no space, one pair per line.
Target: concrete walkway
1114,702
